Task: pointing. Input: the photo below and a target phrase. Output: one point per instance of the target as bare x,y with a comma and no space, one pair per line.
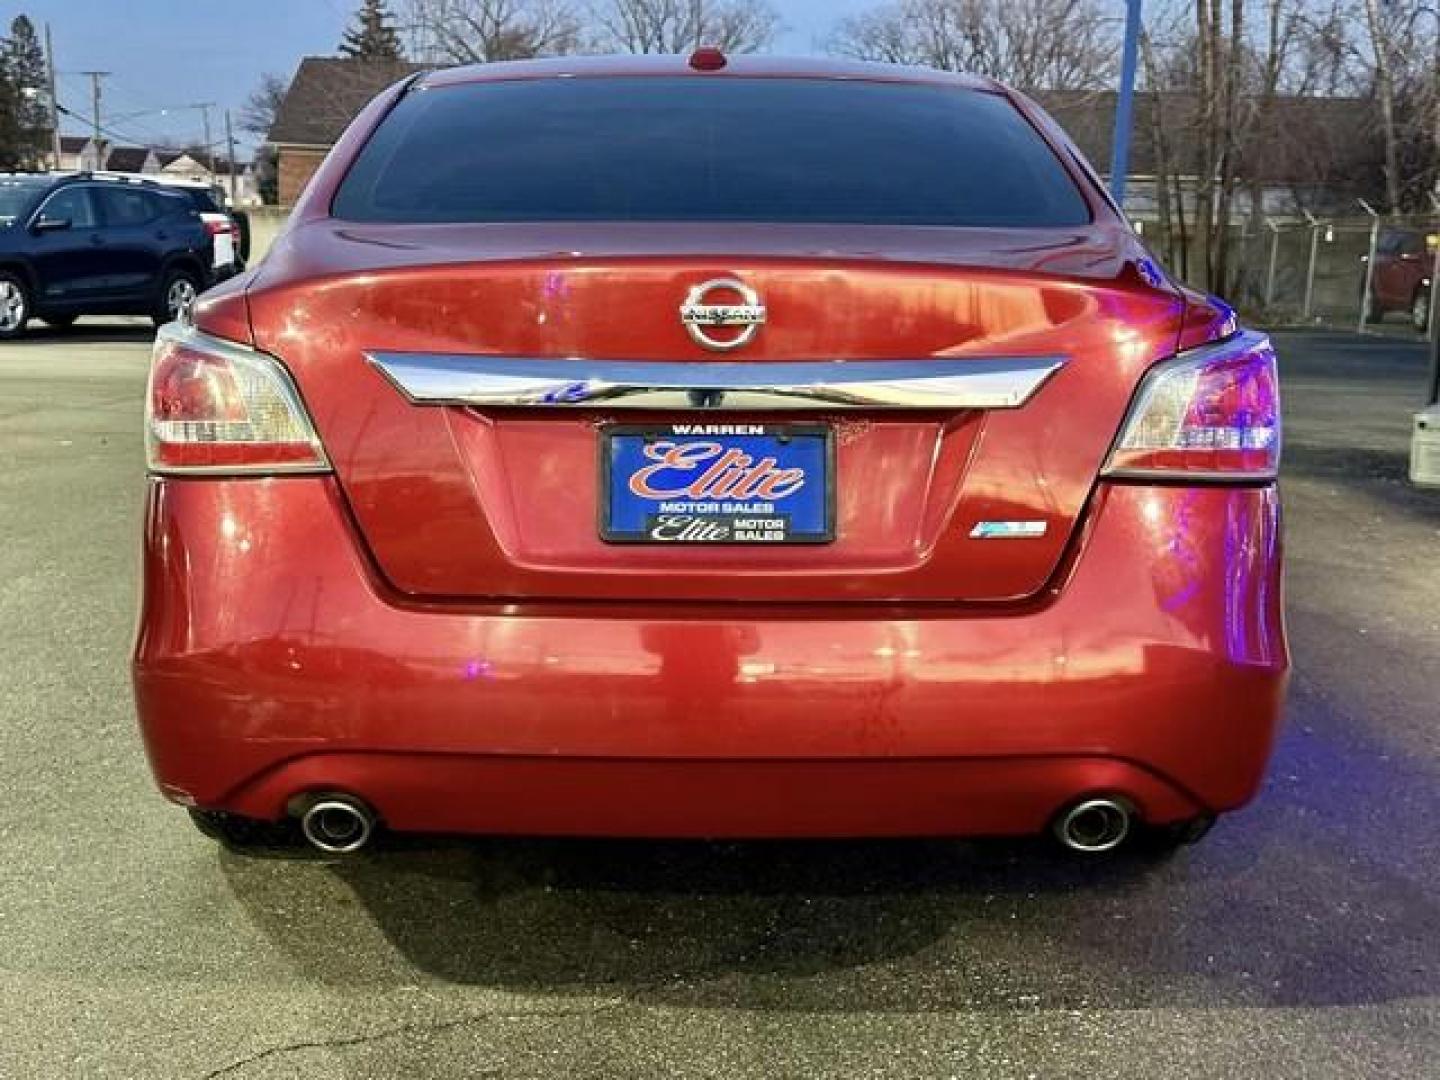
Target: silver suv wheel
179,297
13,307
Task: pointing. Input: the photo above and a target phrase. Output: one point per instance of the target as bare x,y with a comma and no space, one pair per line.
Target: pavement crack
403,1030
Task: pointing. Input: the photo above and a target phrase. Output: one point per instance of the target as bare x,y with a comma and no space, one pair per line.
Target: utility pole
205,107
1124,104
95,77
54,100
230,153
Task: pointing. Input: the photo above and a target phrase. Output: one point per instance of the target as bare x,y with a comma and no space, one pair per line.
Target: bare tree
1169,193
1281,17
1321,57
1382,42
1212,67
1435,110
1217,70
480,31
1392,56
1227,144
675,26
1038,45
1401,53
257,115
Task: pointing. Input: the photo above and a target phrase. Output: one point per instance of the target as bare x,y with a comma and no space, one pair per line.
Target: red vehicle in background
746,448
1404,264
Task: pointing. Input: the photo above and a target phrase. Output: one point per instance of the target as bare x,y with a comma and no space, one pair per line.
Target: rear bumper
271,661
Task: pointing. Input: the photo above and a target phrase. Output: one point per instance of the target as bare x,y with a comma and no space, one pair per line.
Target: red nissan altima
712,448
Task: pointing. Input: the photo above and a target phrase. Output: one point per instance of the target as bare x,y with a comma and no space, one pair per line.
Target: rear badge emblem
1008,530
724,304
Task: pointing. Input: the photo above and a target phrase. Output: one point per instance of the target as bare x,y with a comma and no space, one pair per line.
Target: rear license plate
717,484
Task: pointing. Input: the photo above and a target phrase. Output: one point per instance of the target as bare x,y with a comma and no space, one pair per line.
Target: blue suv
81,244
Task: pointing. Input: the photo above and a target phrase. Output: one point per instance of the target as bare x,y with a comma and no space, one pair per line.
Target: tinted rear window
128,207
712,149
171,202
201,200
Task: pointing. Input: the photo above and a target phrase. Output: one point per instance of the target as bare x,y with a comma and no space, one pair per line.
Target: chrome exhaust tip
337,824
1093,826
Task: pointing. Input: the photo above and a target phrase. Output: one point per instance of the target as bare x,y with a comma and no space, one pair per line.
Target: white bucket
1425,448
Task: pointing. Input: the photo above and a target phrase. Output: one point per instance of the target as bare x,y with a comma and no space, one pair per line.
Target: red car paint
1404,262
436,627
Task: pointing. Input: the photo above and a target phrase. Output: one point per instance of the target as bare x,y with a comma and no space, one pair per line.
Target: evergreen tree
10,142
373,36
24,109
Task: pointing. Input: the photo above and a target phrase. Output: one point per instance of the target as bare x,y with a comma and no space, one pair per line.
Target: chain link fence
1330,272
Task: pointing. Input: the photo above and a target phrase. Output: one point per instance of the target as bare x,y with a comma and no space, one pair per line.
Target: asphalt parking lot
1301,939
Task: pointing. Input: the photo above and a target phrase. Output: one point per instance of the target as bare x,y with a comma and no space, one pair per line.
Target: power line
149,134
131,137
109,132
205,107
144,106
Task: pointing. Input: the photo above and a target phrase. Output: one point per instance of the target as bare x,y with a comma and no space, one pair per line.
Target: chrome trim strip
437,379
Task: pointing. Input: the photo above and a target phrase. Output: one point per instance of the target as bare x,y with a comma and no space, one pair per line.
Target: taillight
215,228
217,407
1212,413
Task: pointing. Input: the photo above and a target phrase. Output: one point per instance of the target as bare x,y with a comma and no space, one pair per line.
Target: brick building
324,96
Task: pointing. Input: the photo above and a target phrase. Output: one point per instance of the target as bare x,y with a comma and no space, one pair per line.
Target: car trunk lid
478,501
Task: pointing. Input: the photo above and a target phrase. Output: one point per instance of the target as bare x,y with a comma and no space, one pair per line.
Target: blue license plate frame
791,513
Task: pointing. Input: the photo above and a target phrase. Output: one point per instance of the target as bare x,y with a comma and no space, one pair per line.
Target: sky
167,55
